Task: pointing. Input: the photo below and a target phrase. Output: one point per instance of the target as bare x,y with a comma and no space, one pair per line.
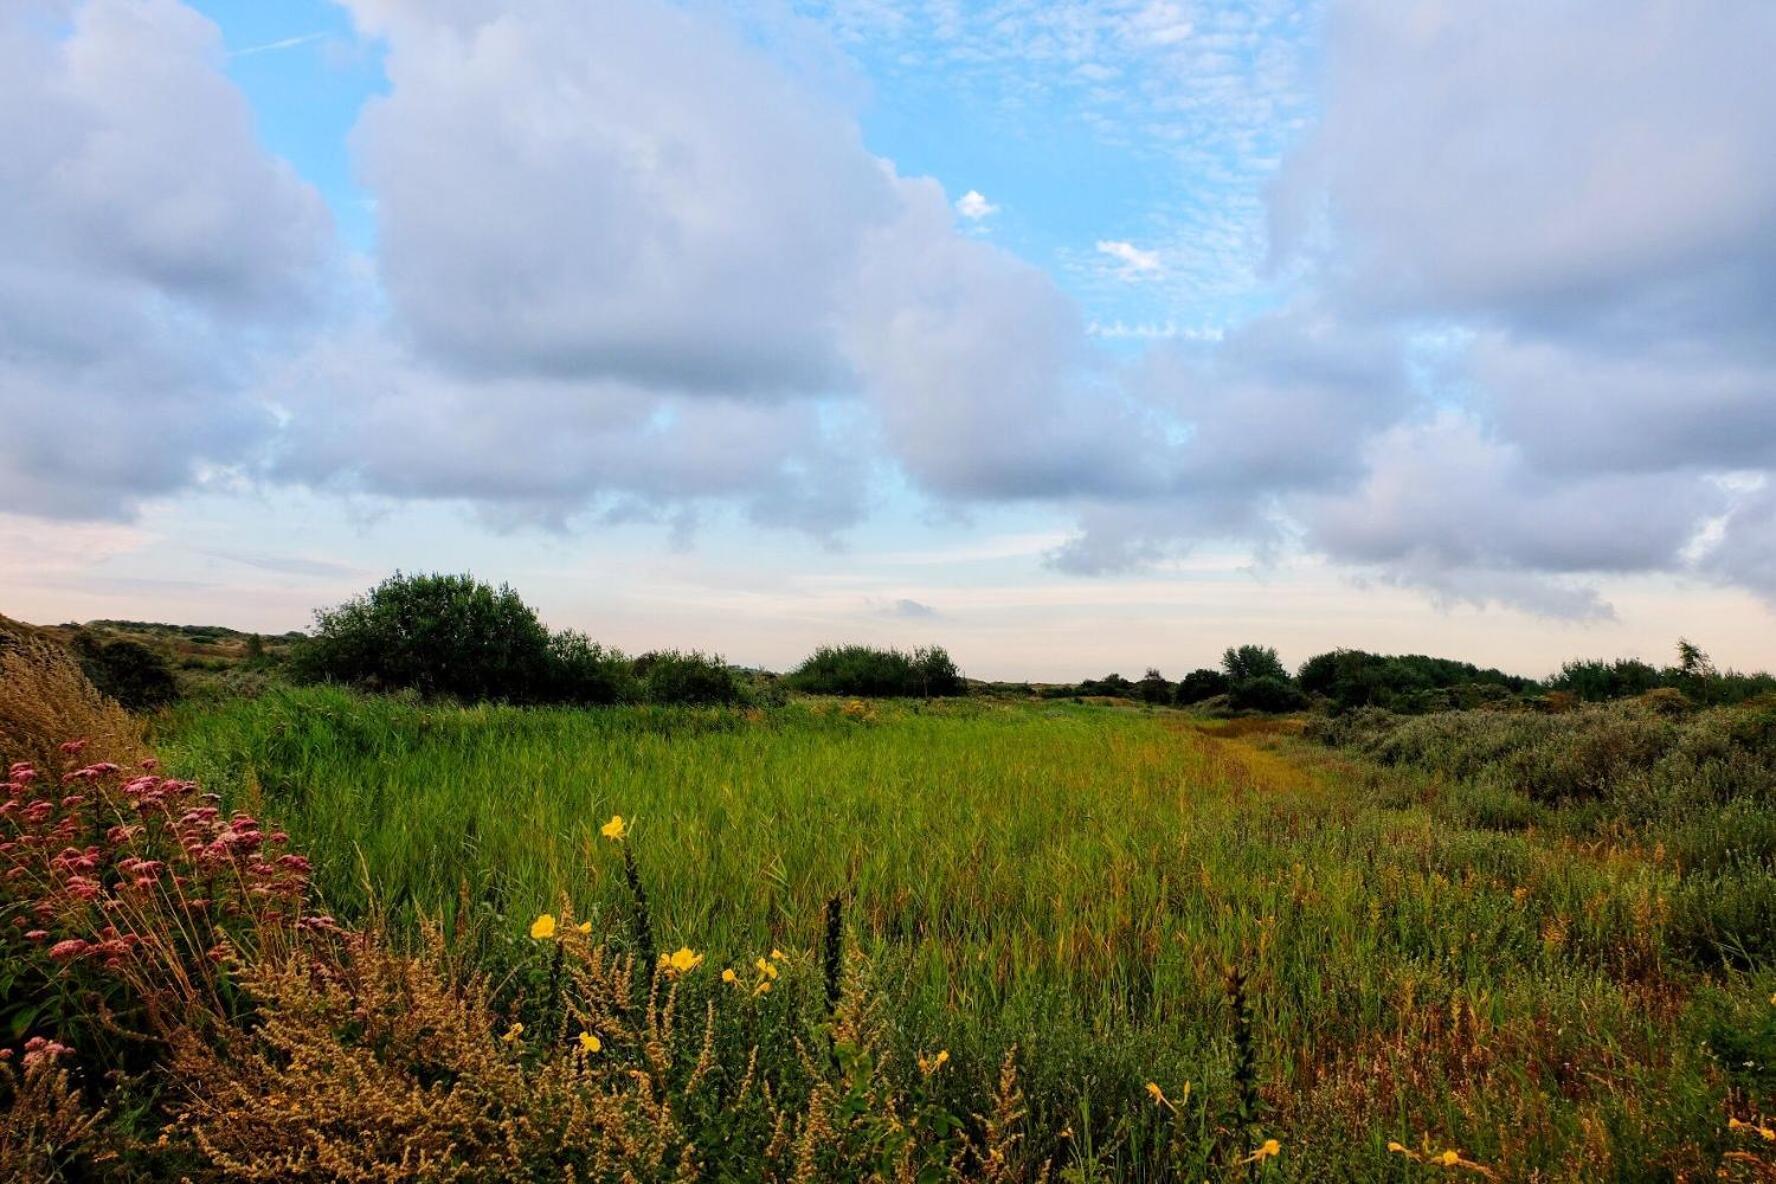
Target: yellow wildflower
616,830
1159,1097
1266,1150
590,1043
777,956
766,969
1398,1148
764,988
584,927
930,1065
543,928
682,961
728,976
513,1033
1763,1132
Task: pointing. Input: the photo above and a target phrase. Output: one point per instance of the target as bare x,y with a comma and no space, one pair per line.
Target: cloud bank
633,266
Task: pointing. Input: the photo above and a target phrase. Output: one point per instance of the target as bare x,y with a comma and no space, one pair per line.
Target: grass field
1420,967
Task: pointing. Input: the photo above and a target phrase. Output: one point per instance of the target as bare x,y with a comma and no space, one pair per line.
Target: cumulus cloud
1444,496
676,264
974,206
144,236
1584,193
632,265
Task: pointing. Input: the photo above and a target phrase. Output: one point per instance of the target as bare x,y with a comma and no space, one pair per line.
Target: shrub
1201,684
125,894
137,677
436,634
1153,687
1265,693
690,679
1415,683
584,672
867,672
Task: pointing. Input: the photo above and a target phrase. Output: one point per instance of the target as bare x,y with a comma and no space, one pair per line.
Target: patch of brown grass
45,700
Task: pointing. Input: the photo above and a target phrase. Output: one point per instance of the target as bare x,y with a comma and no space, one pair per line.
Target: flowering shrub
121,892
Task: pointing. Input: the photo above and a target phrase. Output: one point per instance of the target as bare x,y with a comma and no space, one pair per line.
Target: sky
1073,335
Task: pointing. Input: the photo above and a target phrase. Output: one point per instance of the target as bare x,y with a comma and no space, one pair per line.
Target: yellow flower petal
616,830
590,1043
684,960
543,928
584,927
728,975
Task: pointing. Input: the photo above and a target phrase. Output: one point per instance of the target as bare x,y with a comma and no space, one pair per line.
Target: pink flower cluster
86,867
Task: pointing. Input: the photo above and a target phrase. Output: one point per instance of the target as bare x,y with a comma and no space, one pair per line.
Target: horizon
1075,338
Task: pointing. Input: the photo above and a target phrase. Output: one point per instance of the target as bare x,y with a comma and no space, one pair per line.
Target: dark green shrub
1114,686
867,672
1201,684
435,634
582,671
671,678
137,677
1265,693
1153,688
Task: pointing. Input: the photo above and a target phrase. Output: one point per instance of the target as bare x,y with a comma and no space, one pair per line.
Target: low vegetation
693,926
866,672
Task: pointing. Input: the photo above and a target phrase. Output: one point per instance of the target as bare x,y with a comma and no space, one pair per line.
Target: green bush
1201,684
871,673
582,671
1153,688
137,677
671,678
1412,683
456,636
1265,693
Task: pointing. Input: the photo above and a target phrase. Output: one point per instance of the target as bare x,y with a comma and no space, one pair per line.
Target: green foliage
1258,681
1430,953
1201,684
1411,683
1153,688
868,672
584,672
1694,676
1253,661
435,634
671,678
1266,693
137,677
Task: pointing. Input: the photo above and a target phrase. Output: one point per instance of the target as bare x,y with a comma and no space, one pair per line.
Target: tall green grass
1075,881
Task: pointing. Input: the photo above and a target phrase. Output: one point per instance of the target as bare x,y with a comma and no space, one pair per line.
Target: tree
1247,662
1691,661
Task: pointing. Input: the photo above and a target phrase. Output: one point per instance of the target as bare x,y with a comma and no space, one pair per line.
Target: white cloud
974,206
1135,263
148,245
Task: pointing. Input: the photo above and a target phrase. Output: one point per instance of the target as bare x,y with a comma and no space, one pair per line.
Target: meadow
1209,949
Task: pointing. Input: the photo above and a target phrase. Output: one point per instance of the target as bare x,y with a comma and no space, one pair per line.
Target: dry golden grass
45,700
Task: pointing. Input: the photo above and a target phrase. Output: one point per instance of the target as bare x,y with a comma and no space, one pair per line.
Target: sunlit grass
1074,881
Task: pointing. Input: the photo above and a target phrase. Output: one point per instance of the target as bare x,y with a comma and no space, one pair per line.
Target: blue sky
1076,336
